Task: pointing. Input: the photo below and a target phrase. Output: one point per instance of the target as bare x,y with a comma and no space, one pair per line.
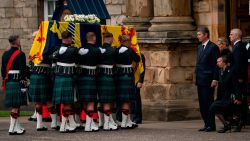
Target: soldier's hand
139,85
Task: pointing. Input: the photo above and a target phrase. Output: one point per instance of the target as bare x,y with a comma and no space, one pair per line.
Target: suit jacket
206,65
239,61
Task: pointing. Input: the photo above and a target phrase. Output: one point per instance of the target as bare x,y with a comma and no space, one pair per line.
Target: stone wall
211,13
17,17
169,92
117,11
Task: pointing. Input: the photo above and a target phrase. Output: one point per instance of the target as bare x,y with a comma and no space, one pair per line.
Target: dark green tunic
86,82
14,96
105,79
124,75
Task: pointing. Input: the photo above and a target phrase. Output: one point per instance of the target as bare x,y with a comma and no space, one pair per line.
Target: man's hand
214,83
139,85
237,102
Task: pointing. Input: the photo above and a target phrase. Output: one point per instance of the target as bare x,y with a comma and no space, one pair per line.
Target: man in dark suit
206,77
239,68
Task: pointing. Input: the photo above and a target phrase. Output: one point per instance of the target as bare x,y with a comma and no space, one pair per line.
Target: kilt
87,91
106,88
125,88
14,97
40,89
63,91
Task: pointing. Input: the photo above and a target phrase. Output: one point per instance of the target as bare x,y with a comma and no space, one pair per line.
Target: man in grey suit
206,77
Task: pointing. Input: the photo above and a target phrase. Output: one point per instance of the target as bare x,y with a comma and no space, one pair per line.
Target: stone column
172,15
169,47
139,13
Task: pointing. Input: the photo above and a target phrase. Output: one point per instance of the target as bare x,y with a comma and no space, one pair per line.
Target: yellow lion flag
125,30
39,43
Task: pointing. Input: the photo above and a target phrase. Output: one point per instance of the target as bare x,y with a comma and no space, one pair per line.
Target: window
49,7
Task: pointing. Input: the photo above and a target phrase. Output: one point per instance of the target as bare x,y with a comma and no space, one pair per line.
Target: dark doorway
238,16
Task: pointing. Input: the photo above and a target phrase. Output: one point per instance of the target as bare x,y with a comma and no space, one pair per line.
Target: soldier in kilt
40,90
86,82
63,91
105,82
125,79
13,77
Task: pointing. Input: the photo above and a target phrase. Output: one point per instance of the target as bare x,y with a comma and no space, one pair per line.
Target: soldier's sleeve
3,68
22,65
135,56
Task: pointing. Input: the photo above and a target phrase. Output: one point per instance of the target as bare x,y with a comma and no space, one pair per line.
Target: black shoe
42,129
15,133
202,129
32,119
225,129
209,129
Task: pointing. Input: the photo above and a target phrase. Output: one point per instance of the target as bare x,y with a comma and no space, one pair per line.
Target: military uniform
63,91
105,79
86,82
124,74
14,97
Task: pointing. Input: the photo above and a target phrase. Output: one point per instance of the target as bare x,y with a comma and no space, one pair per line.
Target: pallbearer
63,91
86,83
13,74
105,81
40,90
125,79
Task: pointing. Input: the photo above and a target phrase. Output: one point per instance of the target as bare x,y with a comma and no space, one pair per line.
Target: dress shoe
225,129
202,129
209,129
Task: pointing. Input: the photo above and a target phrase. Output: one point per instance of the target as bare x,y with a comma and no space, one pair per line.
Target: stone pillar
169,47
139,13
171,15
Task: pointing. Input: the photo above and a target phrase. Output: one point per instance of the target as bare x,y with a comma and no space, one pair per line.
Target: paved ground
148,131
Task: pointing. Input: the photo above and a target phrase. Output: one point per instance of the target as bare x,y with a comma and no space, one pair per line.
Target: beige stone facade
167,37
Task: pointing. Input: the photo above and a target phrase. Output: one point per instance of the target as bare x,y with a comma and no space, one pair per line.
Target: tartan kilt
40,88
63,91
125,88
87,91
14,97
106,89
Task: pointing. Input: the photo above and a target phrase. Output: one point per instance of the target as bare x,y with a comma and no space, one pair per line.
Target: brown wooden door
239,16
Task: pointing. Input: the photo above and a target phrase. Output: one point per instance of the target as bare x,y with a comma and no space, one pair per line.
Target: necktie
203,47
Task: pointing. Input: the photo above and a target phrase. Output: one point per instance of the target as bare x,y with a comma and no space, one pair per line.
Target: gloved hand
62,50
103,50
83,51
122,49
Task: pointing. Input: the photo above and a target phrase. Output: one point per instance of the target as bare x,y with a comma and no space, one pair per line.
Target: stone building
167,37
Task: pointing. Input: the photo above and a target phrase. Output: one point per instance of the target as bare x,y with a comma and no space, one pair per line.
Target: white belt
42,65
248,60
106,66
66,64
88,67
13,72
123,66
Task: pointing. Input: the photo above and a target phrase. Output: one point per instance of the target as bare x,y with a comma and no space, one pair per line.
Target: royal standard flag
125,30
39,43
